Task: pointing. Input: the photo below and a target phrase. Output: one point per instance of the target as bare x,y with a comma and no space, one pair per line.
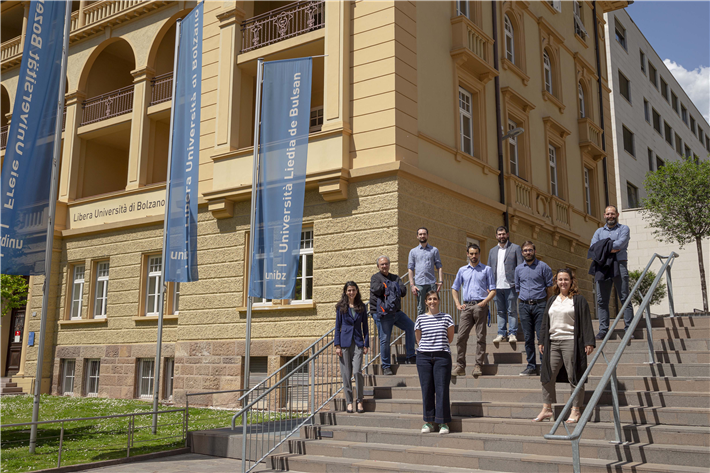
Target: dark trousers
434,370
621,283
531,320
421,297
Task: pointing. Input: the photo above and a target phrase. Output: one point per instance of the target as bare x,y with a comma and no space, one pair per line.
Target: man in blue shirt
424,261
533,283
620,236
475,280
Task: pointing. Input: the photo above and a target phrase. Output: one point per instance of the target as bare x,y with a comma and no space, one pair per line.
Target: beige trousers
561,352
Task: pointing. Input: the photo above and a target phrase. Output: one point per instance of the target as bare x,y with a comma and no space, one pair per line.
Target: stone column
336,90
26,330
81,20
69,185
138,153
25,17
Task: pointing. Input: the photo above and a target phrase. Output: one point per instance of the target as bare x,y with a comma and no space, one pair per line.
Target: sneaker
387,372
499,338
476,371
443,429
458,371
600,336
513,339
426,428
411,361
529,372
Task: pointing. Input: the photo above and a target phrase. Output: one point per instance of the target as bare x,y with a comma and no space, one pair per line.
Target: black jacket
377,290
604,263
583,336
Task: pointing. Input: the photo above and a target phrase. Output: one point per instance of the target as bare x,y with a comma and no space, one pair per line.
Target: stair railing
609,376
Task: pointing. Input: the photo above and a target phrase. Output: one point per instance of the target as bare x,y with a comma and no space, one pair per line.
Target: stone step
670,322
636,345
10,390
8,385
318,464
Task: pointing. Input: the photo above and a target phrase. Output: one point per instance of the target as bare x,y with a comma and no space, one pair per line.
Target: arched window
580,92
509,40
548,71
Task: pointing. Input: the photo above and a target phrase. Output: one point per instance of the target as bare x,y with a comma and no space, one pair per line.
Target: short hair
573,288
432,292
423,228
502,228
612,207
379,258
527,243
474,246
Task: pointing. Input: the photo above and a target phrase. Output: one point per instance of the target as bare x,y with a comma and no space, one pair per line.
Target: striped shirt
434,330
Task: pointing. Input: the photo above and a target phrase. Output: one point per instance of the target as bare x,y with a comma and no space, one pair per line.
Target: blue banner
27,169
181,252
285,119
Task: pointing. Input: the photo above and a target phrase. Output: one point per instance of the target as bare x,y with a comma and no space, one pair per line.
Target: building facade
404,133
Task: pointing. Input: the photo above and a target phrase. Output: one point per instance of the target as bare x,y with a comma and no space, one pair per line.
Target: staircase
665,415
8,388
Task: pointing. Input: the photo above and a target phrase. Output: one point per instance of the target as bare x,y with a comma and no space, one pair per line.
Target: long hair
344,304
432,293
573,288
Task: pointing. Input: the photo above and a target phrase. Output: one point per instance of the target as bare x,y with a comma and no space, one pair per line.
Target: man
503,259
422,277
619,235
533,283
475,280
386,291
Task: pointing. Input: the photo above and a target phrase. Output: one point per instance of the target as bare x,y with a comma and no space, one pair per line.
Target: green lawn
96,440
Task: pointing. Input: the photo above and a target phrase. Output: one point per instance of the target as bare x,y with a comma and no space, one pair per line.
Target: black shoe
411,361
600,336
387,372
529,372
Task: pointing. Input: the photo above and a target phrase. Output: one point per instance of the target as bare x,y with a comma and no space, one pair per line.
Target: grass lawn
95,440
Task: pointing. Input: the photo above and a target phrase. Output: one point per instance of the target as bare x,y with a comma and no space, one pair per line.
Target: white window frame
547,68
462,8
554,183
101,290
317,115
580,93
556,4
587,191
513,151
68,376
176,298
509,39
146,372
77,300
91,377
305,251
168,378
154,274
578,22
466,112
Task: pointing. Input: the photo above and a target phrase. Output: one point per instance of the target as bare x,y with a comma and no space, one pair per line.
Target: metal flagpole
254,182
156,376
50,227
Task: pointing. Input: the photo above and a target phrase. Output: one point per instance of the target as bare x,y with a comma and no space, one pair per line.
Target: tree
677,207
14,292
645,285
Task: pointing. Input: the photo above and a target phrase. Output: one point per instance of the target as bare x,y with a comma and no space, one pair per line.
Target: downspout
601,104
499,130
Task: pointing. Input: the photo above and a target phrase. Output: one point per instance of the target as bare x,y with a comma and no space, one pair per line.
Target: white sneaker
498,339
427,428
443,429
513,339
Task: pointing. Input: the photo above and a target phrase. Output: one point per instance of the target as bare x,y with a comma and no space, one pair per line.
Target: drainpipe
499,130
601,104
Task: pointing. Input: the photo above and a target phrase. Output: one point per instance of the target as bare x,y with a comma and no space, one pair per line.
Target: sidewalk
186,463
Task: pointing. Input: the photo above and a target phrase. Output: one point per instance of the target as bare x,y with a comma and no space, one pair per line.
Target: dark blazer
583,336
349,330
604,263
377,290
513,258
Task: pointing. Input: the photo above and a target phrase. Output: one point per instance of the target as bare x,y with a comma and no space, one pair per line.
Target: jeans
507,306
351,363
421,296
531,320
384,330
604,294
434,370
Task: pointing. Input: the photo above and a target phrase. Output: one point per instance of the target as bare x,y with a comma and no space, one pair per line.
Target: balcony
10,48
3,136
107,105
530,201
472,49
161,88
590,138
560,213
282,23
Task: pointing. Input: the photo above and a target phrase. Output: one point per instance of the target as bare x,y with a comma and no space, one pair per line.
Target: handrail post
61,443
649,334
575,456
615,406
128,439
671,306
313,382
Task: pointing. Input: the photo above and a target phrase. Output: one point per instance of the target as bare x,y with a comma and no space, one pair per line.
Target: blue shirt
477,282
532,280
620,235
424,262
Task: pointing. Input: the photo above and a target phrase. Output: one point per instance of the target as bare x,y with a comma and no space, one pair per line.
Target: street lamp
513,133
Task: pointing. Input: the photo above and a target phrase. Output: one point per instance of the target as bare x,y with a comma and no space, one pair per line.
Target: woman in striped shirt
435,332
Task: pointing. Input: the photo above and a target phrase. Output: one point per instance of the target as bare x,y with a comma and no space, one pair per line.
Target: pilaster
71,151
139,151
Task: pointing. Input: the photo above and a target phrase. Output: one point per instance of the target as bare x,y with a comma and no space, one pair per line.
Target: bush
638,296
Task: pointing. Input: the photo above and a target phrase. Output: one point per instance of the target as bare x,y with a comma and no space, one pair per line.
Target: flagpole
254,182
156,376
50,227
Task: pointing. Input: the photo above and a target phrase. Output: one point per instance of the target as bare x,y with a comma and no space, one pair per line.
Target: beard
423,240
611,221
528,258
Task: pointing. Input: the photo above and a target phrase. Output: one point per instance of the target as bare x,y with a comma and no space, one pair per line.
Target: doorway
14,350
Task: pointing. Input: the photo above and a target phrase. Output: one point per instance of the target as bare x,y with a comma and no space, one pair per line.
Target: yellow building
404,133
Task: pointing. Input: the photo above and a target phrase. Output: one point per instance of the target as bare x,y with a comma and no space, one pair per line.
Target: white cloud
696,84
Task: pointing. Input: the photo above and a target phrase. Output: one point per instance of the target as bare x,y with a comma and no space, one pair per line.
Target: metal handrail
609,375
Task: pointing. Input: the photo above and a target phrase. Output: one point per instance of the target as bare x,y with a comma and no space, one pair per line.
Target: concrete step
8,385
636,345
11,390
660,333
670,322
319,464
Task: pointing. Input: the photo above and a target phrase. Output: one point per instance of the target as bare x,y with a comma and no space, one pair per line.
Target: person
533,283
475,280
435,332
351,341
567,341
619,235
423,259
503,259
386,291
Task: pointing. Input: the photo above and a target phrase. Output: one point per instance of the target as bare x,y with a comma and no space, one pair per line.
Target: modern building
409,104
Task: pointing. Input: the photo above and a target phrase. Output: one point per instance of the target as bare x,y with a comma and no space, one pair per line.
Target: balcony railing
161,88
10,48
282,23
471,43
590,138
107,105
522,194
560,212
3,136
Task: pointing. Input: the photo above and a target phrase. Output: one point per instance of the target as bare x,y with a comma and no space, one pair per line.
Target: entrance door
17,325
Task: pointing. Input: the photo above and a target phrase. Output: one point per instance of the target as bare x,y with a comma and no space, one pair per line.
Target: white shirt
562,319
501,281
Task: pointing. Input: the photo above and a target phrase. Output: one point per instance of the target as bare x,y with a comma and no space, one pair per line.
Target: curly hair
573,288
344,304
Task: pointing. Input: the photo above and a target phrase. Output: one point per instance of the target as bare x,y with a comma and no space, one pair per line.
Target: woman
567,340
434,331
351,341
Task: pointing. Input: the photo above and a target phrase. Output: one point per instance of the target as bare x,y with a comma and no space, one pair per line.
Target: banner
181,252
27,168
283,138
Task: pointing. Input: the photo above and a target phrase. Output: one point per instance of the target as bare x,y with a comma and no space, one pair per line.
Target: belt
532,301
473,302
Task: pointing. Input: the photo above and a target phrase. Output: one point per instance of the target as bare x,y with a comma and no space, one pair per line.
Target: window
707,142
168,376
632,193
556,4
646,110
679,145
93,367
674,103
552,154
513,150
580,94
579,20
316,122
650,159
664,90
176,298
620,33
652,75
628,141
657,122
466,121
547,71
624,87
509,40
146,375
696,159
587,191
684,114
77,293
68,369
642,56
692,124
687,152
659,163
258,369
154,285
304,277
101,290
668,132
700,135
462,8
